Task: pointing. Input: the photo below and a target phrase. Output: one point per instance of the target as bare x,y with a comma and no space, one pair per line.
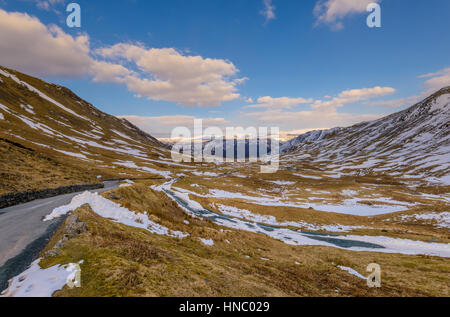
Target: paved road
23,234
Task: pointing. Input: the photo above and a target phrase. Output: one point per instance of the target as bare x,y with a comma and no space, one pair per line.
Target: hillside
413,142
50,137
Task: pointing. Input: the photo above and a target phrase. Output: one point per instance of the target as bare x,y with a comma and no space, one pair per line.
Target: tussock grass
23,169
125,261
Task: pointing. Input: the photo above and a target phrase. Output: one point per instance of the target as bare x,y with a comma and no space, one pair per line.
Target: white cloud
162,126
434,82
29,46
108,72
352,96
269,10
282,102
332,12
275,113
48,4
321,115
396,103
293,121
167,74
437,80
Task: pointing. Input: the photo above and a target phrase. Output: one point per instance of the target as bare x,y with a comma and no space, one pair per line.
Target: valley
377,192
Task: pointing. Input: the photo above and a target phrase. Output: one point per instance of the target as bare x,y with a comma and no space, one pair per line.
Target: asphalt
23,234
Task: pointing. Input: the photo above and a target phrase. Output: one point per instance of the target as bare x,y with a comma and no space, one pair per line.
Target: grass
124,261
326,191
23,169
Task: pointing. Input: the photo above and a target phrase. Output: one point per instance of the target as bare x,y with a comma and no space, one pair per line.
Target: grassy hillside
24,169
51,137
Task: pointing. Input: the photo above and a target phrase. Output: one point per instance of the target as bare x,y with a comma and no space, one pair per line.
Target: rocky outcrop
72,227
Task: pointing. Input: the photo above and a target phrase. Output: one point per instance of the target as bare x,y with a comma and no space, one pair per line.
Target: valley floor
235,232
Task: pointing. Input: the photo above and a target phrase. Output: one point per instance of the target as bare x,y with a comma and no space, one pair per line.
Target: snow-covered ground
292,237
37,282
349,206
440,220
110,210
271,220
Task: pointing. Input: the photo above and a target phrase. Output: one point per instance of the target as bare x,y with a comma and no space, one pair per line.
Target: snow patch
352,272
78,155
282,183
206,174
37,282
208,242
110,210
133,165
440,220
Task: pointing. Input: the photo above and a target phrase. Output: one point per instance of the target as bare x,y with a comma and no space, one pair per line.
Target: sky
296,65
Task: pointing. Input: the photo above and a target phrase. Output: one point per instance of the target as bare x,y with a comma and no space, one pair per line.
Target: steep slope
57,126
415,141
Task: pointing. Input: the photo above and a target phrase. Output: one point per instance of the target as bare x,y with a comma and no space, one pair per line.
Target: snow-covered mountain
415,141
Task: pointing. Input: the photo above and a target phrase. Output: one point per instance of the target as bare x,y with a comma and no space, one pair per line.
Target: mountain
413,142
50,137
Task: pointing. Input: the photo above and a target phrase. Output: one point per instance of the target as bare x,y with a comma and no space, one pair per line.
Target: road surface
23,234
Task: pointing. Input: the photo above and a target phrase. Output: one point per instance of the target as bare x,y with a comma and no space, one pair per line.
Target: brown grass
124,261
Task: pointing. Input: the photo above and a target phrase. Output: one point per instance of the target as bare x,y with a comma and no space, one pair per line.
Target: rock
52,253
114,197
61,242
74,226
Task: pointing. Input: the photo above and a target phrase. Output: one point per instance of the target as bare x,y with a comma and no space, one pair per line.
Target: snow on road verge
37,282
108,209
127,183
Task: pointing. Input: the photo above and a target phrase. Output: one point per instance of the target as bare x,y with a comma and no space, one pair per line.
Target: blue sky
316,62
